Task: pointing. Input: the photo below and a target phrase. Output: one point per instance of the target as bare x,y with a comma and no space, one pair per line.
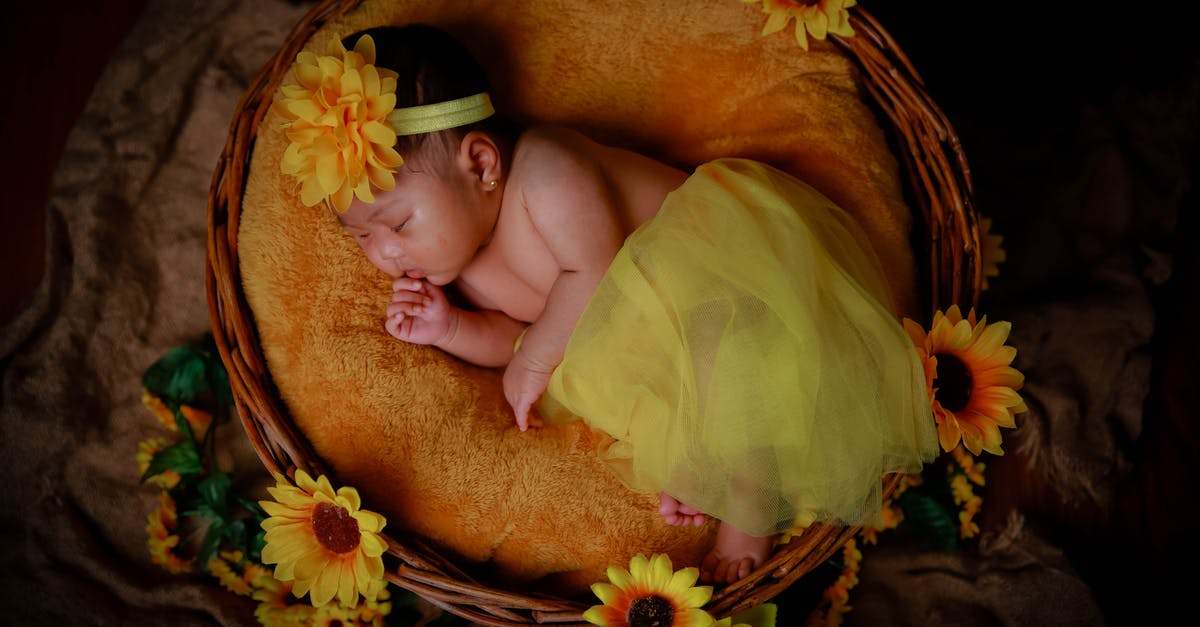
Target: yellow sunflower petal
603,615
372,545
818,25
348,498
347,593
801,36
285,571
683,579
300,587
1006,376
619,577
325,586
697,618
605,592
775,23
311,564
948,431
660,572
639,568
915,332
282,511
696,597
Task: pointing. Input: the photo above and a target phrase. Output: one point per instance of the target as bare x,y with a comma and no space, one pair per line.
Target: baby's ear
479,154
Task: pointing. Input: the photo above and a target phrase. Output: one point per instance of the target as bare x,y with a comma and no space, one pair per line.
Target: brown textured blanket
1094,194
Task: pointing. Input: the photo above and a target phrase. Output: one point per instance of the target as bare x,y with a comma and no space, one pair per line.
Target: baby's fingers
405,296
525,419
405,284
406,309
394,324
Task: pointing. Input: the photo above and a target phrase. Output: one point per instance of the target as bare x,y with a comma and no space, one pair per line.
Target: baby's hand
419,312
524,382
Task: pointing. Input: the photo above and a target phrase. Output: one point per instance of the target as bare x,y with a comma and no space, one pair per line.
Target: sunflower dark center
650,611
335,528
953,382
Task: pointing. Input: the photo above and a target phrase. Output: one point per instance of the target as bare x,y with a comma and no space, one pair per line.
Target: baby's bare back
558,179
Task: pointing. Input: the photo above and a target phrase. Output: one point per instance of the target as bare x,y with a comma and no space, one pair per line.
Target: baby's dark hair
434,67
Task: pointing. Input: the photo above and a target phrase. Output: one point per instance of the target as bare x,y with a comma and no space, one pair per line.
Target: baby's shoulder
551,143
545,155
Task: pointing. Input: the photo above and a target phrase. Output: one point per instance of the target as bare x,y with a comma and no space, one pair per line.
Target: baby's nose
391,249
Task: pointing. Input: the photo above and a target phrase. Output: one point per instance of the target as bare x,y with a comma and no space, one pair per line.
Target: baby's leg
679,514
734,554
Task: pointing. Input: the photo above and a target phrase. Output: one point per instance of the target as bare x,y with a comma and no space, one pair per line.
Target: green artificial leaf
180,376
183,458
213,537
213,495
181,422
218,380
923,510
255,546
255,509
235,533
213,507
215,490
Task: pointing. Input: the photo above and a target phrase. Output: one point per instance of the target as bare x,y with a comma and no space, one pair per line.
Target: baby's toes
708,568
744,566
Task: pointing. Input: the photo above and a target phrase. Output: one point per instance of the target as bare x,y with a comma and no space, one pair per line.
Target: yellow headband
441,115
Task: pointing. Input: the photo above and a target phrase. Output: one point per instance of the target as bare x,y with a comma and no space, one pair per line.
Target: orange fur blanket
429,440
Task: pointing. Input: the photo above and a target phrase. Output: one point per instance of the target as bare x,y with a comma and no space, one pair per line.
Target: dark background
1027,85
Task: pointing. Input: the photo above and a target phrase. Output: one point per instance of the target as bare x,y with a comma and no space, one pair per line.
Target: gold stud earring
493,183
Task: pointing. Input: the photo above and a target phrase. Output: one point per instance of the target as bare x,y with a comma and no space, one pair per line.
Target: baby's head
433,67
427,216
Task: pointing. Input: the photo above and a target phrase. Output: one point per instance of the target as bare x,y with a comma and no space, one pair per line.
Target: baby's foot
678,514
734,555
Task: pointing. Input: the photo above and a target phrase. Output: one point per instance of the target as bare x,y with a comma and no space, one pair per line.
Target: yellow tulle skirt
740,355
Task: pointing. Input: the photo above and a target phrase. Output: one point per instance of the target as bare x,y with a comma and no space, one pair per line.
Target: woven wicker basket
939,188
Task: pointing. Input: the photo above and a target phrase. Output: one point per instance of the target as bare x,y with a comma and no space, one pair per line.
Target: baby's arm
421,314
572,207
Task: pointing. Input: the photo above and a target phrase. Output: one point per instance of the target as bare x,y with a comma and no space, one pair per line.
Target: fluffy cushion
427,439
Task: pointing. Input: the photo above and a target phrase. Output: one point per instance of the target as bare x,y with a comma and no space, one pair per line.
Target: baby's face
425,227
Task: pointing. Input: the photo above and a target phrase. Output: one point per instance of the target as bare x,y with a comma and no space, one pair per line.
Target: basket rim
939,181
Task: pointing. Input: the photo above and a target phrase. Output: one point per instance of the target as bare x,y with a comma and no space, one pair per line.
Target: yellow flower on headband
336,111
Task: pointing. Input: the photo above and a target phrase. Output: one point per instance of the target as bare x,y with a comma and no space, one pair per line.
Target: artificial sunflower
198,419
323,541
225,568
971,383
813,17
161,537
340,142
651,593
991,250
147,449
274,607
